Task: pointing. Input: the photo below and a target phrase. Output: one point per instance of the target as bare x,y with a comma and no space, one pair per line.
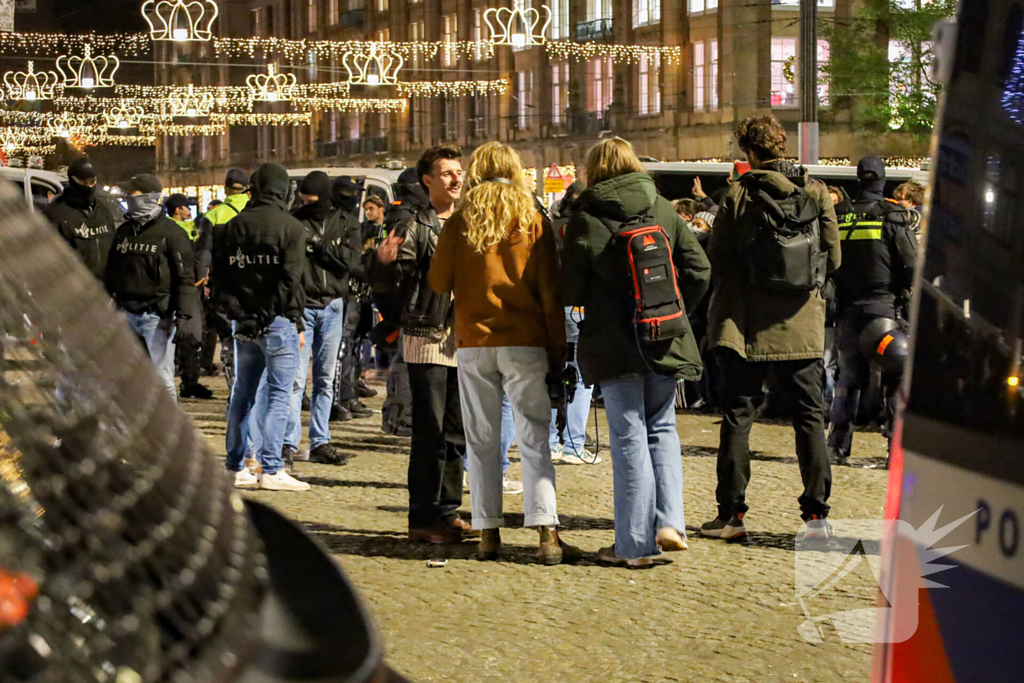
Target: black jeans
741,385
438,445
350,365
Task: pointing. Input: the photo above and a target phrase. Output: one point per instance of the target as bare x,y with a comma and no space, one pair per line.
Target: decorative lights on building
451,88
31,84
373,68
180,21
88,71
517,26
190,102
271,86
124,116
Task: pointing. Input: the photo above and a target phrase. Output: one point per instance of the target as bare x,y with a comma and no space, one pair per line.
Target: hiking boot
339,413
196,390
818,530
608,558
510,487
465,527
288,457
282,481
245,479
730,530
553,550
326,454
670,540
490,545
363,391
438,534
357,409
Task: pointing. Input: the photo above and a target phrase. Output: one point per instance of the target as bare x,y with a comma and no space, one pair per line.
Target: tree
880,61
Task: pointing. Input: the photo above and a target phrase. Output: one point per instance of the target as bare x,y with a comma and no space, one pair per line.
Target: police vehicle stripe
861,234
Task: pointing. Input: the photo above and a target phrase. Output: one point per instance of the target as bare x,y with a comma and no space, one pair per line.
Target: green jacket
596,275
188,226
761,325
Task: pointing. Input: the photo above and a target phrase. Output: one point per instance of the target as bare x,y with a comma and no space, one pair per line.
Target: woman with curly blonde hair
497,254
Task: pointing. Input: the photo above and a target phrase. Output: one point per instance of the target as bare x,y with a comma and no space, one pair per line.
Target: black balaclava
316,183
79,195
871,175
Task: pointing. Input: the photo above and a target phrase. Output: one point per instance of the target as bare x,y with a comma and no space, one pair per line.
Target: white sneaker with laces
245,479
557,453
584,458
511,487
282,481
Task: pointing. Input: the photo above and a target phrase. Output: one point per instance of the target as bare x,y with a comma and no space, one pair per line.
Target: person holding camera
637,268
497,254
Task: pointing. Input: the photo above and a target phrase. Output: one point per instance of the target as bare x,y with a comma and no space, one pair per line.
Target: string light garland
180,21
296,52
271,86
620,54
191,103
31,85
65,125
374,68
124,116
119,140
32,44
518,26
186,130
451,88
366,105
301,119
88,71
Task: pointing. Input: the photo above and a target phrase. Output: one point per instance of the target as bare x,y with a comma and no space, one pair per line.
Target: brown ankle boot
490,545
552,550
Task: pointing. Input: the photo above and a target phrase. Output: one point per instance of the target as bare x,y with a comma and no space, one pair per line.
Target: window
523,99
824,52
699,91
646,12
311,15
823,4
599,96
384,123
334,126
256,22
599,9
560,19
382,5
332,12
384,35
524,6
450,38
783,72
478,34
450,118
649,94
698,6
313,66
713,84
480,105
416,34
559,92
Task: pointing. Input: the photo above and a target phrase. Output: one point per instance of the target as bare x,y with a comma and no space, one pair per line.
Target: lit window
824,53
256,22
384,35
699,93
599,9
450,38
523,98
649,92
783,72
524,6
313,67
559,19
478,34
600,76
559,92
311,15
332,12
646,12
382,5
697,6
416,34
713,84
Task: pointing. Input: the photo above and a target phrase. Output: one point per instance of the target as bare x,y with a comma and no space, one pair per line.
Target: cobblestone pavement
720,612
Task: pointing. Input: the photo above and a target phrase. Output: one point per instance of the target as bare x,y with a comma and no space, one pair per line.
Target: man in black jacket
332,249
86,224
150,277
879,254
256,273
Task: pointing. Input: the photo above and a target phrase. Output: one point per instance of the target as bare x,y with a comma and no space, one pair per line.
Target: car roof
382,174
18,174
819,172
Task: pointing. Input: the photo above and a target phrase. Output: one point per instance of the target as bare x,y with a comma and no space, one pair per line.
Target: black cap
175,201
146,183
82,169
409,177
871,168
347,185
316,184
237,179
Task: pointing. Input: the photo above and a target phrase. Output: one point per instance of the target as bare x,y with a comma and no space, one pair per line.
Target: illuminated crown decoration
271,86
372,68
65,125
517,26
188,102
88,71
124,116
180,21
31,84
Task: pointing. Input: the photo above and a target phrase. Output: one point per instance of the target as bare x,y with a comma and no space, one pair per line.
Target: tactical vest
865,272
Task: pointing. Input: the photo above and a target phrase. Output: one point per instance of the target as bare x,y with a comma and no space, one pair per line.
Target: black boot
357,409
196,390
288,456
363,391
306,401
326,454
339,413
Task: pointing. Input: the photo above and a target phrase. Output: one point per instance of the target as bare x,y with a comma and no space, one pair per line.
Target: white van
379,181
38,186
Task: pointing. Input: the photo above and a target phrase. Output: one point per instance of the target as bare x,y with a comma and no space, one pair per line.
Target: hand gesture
387,252
698,189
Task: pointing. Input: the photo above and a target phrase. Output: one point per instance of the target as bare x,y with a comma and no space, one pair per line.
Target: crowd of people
502,321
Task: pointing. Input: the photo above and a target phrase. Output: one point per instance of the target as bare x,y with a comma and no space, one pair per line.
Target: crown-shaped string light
180,21
124,116
271,86
517,26
88,71
191,103
373,68
64,125
31,84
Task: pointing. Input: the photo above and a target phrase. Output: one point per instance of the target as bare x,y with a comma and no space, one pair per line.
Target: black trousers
800,382
350,365
438,445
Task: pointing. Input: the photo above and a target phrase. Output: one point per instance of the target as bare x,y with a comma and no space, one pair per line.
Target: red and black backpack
658,309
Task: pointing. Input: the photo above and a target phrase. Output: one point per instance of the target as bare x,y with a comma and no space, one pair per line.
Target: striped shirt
427,351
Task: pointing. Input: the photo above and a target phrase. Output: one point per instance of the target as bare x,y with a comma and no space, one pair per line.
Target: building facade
739,58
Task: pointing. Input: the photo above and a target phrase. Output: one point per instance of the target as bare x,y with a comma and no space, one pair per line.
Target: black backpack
657,306
785,254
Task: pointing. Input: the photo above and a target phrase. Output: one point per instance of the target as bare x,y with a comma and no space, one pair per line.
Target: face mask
347,203
80,194
142,208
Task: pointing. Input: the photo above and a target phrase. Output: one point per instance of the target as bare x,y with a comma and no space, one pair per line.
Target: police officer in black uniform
872,288
84,221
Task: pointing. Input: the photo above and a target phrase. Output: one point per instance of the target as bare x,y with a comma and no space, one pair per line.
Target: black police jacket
89,229
333,250
257,264
879,253
149,270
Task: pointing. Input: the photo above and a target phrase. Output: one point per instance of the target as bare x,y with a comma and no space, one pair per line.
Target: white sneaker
245,479
511,487
282,481
584,458
465,482
253,465
557,453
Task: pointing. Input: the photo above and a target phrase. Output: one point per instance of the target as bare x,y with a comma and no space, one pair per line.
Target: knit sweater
510,295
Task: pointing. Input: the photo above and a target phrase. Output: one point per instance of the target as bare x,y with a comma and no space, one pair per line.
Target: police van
376,181
38,186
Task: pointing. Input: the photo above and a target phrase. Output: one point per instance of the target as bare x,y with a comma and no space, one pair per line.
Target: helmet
882,340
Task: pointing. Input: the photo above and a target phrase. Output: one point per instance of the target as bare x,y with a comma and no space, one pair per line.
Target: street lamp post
808,126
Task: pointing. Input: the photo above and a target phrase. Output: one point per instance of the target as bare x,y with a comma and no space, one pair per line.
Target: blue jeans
324,329
157,335
647,467
277,353
508,433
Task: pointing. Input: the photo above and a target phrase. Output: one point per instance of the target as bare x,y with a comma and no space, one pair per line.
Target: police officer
872,287
151,278
87,224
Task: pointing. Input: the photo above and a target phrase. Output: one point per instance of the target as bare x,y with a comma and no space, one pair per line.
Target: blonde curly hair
491,208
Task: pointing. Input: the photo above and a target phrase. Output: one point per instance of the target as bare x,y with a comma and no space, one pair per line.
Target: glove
189,331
